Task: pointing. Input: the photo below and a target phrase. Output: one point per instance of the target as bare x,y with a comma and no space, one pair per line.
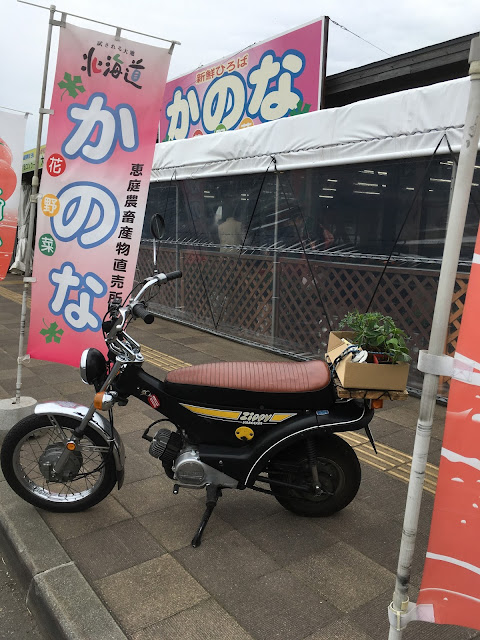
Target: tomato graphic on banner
98,157
12,128
451,578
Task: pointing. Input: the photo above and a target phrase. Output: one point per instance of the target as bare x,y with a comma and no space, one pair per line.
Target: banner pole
33,212
453,243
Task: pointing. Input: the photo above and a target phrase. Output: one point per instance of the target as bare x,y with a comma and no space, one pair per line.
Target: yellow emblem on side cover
244,433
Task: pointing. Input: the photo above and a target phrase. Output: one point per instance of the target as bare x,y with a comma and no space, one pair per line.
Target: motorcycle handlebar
173,275
140,311
137,308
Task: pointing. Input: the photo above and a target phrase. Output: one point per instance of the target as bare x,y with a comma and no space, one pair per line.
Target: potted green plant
378,335
386,346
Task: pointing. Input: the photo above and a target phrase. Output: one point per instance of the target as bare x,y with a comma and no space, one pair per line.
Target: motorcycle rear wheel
35,440
339,476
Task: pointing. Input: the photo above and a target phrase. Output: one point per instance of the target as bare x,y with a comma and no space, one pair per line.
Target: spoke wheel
339,476
32,447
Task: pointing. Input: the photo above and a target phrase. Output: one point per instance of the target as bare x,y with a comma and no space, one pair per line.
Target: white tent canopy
400,125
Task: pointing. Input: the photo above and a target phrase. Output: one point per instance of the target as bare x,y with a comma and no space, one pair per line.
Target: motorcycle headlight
93,367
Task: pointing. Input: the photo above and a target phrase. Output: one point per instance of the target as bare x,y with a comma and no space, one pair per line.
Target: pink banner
451,578
101,139
12,138
274,79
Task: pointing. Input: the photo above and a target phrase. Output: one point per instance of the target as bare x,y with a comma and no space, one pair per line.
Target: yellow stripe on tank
213,413
280,417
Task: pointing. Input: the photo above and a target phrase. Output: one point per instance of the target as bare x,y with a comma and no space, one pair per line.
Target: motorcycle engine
186,467
190,470
166,445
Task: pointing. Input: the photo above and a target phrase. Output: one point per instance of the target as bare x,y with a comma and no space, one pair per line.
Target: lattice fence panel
144,263
165,263
408,296
227,292
458,302
301,322
199,298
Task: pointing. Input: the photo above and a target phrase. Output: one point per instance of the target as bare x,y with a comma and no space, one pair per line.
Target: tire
93,472
339,476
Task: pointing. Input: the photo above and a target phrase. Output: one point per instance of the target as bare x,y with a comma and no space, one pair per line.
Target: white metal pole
177,248
275,261
33,212
453,243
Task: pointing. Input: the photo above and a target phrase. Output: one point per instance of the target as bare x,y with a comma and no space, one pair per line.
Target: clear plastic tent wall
283,228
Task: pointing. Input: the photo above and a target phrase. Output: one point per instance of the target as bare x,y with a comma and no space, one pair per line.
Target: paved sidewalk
17,621
261,572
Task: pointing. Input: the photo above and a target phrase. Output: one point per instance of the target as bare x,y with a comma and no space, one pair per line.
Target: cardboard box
364,375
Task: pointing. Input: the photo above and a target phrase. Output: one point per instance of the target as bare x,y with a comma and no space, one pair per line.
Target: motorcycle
269,427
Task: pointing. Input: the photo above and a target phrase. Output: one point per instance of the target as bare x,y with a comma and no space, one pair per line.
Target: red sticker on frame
153,401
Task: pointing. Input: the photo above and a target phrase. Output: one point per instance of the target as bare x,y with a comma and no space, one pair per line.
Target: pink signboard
274,79
106,100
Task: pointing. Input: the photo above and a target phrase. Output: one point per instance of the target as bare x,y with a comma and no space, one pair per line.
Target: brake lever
117,324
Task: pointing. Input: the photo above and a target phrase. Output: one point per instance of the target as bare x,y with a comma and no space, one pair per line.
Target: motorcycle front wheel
339,477
30,450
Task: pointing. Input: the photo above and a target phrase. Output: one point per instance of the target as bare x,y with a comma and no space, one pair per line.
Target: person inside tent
230,231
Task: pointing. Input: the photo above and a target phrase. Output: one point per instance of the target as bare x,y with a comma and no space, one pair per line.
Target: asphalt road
15,619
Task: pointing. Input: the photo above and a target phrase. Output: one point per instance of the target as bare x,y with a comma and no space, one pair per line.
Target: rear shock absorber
312,462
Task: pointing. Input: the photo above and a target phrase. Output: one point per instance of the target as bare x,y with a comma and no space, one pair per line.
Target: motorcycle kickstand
213,494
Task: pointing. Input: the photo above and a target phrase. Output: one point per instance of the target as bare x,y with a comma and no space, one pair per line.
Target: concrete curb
58,595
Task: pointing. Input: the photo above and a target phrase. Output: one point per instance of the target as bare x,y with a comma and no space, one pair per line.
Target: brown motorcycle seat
262,377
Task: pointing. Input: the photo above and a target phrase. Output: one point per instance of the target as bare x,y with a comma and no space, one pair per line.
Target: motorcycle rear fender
247,464
358,416
100,424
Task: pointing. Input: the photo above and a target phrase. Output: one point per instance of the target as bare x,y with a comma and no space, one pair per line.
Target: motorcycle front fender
100,424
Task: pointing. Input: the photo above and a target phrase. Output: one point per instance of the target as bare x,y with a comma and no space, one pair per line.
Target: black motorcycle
270,427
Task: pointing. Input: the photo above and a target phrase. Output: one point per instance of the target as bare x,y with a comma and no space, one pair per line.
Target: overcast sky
213,29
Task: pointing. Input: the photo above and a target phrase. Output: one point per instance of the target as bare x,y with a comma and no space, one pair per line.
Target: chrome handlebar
123,346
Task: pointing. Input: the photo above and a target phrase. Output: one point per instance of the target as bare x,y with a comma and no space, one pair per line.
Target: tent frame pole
273,332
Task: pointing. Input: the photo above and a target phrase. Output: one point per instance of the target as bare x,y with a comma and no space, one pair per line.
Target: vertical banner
451,578
274,79
98,158
12,138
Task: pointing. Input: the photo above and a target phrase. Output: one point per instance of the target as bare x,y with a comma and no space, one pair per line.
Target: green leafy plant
377,333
